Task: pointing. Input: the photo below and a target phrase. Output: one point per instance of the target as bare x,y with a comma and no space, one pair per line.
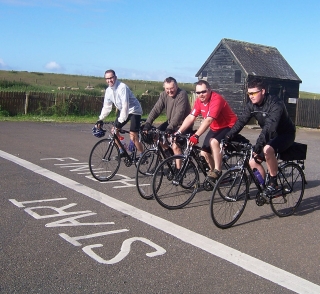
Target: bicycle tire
291,177
229,198
104,160
171,190
145,171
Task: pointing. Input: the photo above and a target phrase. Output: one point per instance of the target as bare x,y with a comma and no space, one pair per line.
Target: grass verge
64,119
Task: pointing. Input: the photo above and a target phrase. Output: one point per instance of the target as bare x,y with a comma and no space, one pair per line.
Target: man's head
203,91
110,77
170,86
256,90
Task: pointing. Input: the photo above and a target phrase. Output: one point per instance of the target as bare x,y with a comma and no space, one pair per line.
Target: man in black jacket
278,130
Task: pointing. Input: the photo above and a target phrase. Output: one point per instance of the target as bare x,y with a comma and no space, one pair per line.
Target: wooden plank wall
308,113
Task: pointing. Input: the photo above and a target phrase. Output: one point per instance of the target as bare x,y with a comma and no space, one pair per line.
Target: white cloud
53,66
2,64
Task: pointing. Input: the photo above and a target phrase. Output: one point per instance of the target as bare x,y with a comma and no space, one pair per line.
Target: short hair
110,71
257,83
203,82
170,80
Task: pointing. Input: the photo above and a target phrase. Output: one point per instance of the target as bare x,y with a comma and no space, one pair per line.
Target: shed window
237,76
204,74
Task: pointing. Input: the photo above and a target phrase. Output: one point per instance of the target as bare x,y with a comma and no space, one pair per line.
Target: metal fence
308,110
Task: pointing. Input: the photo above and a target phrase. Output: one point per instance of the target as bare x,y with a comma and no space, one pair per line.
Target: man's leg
271,160
134,132
134,136
208,157
217,155
214,159
277,144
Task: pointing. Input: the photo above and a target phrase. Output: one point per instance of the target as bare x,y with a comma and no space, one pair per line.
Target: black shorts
280,143
218,135
135,120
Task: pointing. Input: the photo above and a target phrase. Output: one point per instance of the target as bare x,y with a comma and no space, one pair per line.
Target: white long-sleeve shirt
122,97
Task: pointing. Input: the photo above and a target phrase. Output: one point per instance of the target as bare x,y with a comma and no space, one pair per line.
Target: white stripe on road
251,264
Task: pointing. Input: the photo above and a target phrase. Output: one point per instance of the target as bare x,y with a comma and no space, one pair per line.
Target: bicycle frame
245,166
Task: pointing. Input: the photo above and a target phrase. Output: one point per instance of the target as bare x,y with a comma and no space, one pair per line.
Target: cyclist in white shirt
129,108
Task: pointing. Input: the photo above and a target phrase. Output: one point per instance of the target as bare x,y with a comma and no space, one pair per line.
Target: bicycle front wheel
231,160
291,177
145,170
104,160
174,188
229,198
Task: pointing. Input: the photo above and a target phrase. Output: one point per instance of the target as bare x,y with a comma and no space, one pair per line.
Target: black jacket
272,117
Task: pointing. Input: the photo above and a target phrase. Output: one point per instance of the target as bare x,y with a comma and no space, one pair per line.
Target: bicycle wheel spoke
144,174
291,177
229,198
104,160
173,189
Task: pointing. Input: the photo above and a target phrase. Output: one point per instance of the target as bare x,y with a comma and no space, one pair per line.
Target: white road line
251,264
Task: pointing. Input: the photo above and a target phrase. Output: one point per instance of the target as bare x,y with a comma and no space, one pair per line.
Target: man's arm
204,126
107,107
188,121
124,97
181,104
241,122
271,123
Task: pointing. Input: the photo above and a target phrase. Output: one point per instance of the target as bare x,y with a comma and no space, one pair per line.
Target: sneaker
213,176
273,189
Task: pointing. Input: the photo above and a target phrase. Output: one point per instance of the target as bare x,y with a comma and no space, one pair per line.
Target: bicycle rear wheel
104,160
291,177
174,188
229,198
145,170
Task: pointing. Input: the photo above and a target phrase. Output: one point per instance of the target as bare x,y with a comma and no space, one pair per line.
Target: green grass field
49,82
308,95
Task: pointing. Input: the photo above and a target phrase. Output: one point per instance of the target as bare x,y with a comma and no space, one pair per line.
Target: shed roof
257,60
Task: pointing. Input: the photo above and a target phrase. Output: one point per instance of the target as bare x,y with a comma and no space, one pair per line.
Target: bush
4,113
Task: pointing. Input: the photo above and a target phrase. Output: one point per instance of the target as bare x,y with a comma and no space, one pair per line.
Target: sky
153,39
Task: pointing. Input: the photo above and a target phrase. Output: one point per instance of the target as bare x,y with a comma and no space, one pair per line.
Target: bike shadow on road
308,204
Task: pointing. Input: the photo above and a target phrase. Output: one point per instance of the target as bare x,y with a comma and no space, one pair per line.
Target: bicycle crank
260,200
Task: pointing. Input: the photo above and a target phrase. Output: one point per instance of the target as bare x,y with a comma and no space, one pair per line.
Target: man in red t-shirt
217,115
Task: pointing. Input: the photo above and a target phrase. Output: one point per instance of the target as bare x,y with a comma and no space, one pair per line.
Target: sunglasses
108,79
202,92
253,93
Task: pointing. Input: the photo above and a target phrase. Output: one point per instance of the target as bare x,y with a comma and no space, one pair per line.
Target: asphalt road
63,232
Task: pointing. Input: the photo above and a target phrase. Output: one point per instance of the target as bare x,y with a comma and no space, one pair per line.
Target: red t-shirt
217,108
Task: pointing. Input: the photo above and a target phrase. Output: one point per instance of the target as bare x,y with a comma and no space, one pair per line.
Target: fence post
26,104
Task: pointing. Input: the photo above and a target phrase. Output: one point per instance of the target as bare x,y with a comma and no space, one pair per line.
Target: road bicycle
231,192
105,158
175,188
151,159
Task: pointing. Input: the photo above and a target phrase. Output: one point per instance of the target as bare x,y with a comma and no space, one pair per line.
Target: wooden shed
233,63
